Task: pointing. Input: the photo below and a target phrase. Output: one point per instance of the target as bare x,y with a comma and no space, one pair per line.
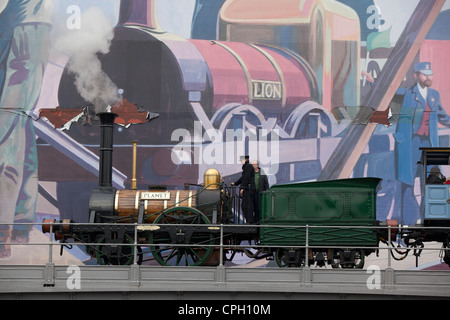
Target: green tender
344,202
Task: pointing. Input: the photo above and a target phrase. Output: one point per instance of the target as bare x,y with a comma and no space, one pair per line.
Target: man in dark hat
247,183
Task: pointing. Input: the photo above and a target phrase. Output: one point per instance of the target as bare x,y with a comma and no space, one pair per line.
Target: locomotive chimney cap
107,117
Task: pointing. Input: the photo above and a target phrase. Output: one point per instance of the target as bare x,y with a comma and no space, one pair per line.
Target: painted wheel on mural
181,246
308,120
239,116
311,120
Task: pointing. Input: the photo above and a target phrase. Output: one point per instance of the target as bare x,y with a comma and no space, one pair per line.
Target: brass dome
212,179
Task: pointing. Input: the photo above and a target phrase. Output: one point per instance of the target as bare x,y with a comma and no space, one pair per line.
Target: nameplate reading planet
155,195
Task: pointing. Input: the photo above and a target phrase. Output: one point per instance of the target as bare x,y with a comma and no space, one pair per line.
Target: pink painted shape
228,78
267,9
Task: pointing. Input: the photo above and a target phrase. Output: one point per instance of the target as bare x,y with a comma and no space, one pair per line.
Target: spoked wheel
117,255
183,246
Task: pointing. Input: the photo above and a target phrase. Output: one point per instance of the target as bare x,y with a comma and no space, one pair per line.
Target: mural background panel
278,80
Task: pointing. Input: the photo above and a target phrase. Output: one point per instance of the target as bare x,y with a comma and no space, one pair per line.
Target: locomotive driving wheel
181,245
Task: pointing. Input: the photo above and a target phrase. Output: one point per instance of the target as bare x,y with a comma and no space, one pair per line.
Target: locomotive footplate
184,234
68,230
235,229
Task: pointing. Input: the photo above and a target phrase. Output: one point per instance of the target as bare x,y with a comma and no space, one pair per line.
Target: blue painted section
436,206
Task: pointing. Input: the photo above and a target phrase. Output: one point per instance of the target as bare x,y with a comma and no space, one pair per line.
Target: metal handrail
307,246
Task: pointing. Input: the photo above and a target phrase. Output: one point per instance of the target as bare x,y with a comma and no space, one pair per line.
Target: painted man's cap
424,68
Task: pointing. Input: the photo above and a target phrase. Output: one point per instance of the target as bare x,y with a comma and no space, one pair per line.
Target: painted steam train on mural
282,83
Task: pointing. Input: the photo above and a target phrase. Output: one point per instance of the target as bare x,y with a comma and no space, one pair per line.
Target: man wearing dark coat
261,184
247,183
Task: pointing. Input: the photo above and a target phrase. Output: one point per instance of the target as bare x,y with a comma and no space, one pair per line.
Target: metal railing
222,245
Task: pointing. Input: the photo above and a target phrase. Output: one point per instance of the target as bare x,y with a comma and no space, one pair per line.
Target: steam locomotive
182,227
185,227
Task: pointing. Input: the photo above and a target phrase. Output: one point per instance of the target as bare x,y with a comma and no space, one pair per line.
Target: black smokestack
106,148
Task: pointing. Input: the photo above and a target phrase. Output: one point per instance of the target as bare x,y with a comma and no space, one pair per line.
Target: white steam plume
82,45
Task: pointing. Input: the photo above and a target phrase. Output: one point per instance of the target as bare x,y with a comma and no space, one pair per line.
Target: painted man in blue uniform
417,127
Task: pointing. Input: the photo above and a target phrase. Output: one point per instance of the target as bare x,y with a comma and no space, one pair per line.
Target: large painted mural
312,89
